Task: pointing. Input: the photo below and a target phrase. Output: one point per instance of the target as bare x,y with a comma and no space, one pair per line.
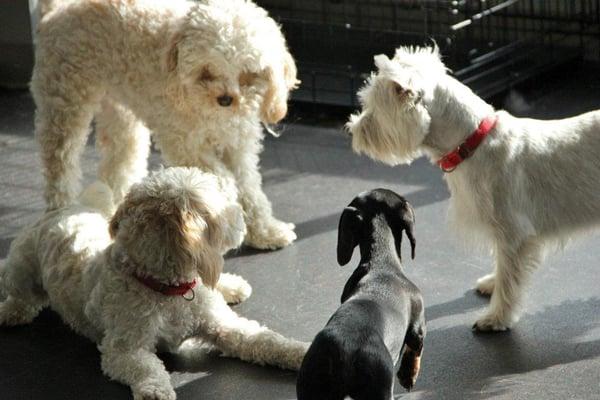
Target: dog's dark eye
206,75
247,78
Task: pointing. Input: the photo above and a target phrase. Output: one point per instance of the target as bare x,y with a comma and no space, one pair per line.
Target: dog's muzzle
225,101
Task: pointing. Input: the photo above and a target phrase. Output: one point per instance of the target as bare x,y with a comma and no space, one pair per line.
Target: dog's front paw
491,322
485,284
234,288
271,235
153,391
409,368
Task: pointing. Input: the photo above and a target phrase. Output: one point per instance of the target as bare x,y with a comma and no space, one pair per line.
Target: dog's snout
225,100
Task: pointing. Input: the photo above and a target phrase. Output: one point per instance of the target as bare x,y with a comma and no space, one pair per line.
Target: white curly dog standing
143,281
200,76
516,184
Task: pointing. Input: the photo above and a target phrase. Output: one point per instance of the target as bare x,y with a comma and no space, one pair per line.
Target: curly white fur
173,226
529,184
200,76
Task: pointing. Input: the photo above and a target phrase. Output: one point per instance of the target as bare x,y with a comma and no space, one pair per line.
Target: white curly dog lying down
143,282
200,76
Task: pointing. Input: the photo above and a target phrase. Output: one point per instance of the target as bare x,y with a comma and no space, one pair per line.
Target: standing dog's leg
264,230
62,124
485,284
411,357
124,143
513,267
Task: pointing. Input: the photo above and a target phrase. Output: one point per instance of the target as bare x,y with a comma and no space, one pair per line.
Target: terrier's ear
348,234
406,223
401,91
382,62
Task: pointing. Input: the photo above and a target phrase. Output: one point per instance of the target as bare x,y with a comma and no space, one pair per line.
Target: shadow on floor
478,361
474,367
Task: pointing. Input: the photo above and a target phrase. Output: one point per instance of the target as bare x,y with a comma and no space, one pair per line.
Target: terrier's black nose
225,100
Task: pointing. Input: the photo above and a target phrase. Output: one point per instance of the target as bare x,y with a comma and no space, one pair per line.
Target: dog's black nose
225,100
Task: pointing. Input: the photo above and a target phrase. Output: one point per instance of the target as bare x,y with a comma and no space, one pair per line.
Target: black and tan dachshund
381,316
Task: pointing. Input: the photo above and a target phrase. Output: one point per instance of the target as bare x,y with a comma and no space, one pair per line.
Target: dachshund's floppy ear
406,223
348,234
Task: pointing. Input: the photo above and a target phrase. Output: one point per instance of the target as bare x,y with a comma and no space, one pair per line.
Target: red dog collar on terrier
451,160
168,290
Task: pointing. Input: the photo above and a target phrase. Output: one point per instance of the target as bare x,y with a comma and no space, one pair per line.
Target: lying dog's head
176,224
395,116
230,59
356,222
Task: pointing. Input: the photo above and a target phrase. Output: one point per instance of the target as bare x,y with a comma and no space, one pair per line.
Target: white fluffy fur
141,66
173,226
530,183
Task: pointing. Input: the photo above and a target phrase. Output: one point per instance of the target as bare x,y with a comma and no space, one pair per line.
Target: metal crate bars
489,44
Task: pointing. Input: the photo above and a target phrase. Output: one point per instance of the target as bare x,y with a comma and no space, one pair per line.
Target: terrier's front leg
485,284
264,230
135,366
512,270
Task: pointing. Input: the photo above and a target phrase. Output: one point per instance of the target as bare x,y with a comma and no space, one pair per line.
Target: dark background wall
16,45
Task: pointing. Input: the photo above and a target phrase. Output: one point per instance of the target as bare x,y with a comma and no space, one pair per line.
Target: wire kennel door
489,44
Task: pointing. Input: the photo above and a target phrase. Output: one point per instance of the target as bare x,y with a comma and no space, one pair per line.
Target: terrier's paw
272,235
153,391
491,323
485,284
234,288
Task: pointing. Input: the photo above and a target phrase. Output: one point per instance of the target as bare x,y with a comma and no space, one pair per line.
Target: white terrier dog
523,184
200,76
143,281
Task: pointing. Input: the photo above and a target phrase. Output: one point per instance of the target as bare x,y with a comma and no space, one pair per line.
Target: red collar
451,160
167,290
